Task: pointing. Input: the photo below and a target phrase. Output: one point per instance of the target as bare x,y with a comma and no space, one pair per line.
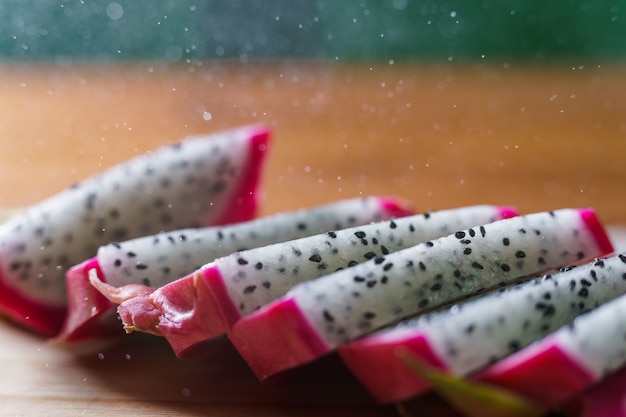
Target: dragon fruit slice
569,360
202,180
159,259
472,335
206,304
317,316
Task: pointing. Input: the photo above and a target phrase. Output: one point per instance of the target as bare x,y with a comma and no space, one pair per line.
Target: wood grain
438,135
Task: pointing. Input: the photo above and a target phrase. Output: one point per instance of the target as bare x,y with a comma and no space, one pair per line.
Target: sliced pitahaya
567,361
200,181
159,259
469,336
207,303
317,316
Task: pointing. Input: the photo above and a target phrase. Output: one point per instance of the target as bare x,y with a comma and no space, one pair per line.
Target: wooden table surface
538,137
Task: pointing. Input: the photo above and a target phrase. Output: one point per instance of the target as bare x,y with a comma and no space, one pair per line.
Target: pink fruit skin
255,328
84,319
375,363
606,399
547,377
292,342
197,308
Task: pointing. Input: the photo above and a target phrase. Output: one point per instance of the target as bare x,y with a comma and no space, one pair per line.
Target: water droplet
206,116
114,11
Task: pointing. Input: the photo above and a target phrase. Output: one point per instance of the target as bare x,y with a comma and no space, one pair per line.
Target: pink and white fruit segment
569,360
200,181
158,259
471,335
206,304
318,316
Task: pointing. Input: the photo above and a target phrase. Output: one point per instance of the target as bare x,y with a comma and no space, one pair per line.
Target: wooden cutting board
438,135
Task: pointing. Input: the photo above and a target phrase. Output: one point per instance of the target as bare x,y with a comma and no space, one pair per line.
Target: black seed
457,273
549,311
358,279
322,266
301,226
374,241
266,284
220,235
353,263
467,251
505,267
368,315
364,242
422,266
506,241
379,260
141,266
384,279
146,282
249,289
242,261
332,234
520,254
514,345
166,270
470,329
594,276
370,284
388,266
580,255
315,258
436,287
384,250
327,316
466,241
522,231
426,215
541,260
430,244
411,228
392,224
258,266
459,235
471,232
423,303
359,234
585,282
131,254
547,296
583,292
483,232
622,258
477,265
599,263
296,251
369,255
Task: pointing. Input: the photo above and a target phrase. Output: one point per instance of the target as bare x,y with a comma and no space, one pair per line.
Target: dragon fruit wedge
206,303
158,259
200,181
316,317
471,335
568,360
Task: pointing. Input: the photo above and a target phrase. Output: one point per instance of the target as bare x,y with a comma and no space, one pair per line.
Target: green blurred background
337,30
